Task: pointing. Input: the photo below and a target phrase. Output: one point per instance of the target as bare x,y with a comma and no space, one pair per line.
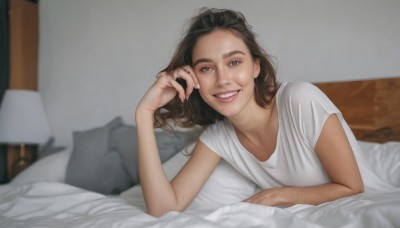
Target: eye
205,69
234,62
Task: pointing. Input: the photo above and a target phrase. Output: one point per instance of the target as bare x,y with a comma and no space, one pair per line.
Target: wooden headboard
370,107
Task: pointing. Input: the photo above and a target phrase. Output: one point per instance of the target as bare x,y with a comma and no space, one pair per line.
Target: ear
256,68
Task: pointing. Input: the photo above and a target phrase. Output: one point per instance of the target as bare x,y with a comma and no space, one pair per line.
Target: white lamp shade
23,119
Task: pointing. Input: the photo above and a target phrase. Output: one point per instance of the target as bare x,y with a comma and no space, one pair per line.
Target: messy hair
195,111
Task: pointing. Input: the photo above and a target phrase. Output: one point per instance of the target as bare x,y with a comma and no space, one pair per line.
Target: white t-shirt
302,111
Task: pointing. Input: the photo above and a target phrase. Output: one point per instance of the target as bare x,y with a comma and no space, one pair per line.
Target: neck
255,121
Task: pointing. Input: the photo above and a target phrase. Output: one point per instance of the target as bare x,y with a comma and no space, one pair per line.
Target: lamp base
19,158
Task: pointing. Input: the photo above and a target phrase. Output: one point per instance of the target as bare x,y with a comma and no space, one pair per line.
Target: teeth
227,95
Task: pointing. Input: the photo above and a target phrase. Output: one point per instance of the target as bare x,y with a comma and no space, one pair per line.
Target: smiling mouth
227,95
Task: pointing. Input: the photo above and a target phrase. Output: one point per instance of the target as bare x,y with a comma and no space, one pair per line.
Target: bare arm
336,155
160,195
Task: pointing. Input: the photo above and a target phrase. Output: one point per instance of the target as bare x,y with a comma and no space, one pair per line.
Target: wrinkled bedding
54,204
60,205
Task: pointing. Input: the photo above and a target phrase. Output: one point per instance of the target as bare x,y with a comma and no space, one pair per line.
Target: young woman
288,138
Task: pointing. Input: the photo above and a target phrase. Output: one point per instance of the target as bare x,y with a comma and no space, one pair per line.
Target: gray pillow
168,143
93,164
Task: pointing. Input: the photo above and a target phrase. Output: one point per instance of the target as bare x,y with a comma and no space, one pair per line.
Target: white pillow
225,186
51,168
380,167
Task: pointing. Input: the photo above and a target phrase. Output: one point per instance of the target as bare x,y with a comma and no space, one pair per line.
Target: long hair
196,111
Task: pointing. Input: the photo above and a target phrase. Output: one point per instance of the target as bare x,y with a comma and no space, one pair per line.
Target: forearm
314,195
288,196
158,193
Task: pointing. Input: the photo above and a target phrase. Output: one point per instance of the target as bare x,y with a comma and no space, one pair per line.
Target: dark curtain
4,77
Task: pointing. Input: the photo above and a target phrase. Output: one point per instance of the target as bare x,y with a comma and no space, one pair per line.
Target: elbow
360,190
351,190
158,212
155,213
157,209
355,190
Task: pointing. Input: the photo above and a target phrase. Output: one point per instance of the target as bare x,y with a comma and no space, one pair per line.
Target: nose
223,77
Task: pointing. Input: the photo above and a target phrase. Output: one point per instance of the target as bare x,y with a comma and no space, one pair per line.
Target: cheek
244,77
203,93
206,81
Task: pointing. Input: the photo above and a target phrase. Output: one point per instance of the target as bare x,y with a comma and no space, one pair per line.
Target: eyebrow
224,56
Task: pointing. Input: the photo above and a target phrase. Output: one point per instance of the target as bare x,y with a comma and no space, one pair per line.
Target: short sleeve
309,107
214,137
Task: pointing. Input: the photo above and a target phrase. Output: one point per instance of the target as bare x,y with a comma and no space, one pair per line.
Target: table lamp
23,121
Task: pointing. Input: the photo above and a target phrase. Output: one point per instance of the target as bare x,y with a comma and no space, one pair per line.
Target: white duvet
55,204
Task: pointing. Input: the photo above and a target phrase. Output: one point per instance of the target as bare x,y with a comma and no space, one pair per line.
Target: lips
227,96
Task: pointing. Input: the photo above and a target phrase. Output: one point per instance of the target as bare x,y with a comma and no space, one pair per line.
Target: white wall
98,57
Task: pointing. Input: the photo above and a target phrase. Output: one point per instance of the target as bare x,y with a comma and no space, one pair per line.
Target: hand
166,87
268,197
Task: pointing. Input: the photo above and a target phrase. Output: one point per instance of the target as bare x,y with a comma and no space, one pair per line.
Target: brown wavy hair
196,111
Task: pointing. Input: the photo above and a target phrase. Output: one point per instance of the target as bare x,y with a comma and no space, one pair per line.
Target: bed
48,195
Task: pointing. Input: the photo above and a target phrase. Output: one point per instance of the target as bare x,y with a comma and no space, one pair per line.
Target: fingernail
198,86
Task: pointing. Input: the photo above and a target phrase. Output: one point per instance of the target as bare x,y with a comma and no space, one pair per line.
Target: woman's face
225,70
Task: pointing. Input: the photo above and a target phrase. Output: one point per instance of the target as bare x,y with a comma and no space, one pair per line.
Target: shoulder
305,100
219,128
306,106
299,90
300,94
217,135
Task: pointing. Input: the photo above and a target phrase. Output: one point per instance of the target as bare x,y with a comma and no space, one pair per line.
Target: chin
227,112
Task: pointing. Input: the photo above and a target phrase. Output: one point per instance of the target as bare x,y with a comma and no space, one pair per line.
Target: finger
178,88
248,200
182,73
190,71
161,74
162,77
251,199
167,80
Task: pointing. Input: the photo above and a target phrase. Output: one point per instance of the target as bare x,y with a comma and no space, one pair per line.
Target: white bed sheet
50,204
53,204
